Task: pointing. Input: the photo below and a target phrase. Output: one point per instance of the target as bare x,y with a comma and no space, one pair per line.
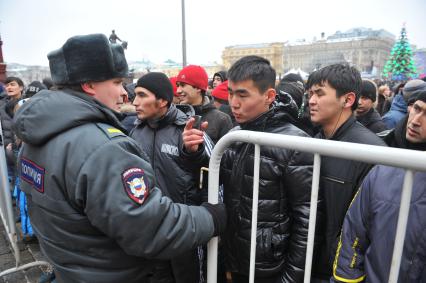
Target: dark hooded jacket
161,141
6,120
284,199
340,180
92,199
285,180
372,121
397,137
219,123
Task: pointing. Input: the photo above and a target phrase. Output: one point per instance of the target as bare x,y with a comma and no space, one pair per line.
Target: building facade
366,49
271,51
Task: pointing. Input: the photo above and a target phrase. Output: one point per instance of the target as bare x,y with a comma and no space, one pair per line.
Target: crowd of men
111,171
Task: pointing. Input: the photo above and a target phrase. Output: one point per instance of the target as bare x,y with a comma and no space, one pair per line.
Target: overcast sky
31,28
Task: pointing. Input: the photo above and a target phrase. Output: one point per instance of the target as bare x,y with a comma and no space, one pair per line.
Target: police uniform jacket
368,234
92,199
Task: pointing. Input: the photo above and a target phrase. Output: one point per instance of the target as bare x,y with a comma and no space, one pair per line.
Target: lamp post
183,35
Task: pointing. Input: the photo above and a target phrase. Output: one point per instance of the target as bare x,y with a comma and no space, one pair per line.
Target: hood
50,113
277,115
398,104
205,107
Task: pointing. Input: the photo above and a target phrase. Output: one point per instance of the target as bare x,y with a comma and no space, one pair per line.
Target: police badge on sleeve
135,184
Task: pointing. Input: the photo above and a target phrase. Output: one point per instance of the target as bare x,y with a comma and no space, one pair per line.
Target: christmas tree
400,65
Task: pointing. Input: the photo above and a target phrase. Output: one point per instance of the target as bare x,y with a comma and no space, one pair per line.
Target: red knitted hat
195,76
221,91
173,82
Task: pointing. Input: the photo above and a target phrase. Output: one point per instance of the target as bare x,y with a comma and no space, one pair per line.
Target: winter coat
372,121
383,104
93,201
340,179
6,120
397,111
161,141
219,122
368,235
285,180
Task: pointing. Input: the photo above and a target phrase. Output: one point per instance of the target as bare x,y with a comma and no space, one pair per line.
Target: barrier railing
403,158
7,215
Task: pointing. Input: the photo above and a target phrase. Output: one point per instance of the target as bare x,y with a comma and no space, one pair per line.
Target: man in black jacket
191,88
333,96
159,132
284,186
366,114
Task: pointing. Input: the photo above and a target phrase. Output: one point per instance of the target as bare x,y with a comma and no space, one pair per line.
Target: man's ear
162,102
270,95
88,88
349,100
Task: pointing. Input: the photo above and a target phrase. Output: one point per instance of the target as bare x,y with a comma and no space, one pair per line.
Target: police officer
92,198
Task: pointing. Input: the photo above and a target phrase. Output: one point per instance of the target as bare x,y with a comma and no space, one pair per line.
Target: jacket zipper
334,180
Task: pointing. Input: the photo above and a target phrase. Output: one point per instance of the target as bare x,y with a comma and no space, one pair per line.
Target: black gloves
218,212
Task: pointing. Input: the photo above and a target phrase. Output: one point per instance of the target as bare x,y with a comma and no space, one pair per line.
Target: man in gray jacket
93,200
159,133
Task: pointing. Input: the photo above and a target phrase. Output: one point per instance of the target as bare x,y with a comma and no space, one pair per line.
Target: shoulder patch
32,174
110,131
135,185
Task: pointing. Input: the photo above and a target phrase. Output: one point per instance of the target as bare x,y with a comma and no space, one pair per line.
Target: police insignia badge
135,184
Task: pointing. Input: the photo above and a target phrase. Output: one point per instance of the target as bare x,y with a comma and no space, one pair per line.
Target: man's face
110,92
246,100
189,94
324,105
147,105
364,105
14,90
217,80
416,124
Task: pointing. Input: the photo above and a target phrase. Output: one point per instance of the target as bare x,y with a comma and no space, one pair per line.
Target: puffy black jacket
368,235
219,122
372,121
284,199
161,141
340,179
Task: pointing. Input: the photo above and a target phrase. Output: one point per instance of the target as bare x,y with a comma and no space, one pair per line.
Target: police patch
32,174
135,184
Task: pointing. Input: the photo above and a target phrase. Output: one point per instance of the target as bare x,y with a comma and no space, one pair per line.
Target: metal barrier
7,215
403,158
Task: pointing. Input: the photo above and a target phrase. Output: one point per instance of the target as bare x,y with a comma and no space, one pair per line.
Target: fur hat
221,91
369,90
85,58
411,89
157,83
195,76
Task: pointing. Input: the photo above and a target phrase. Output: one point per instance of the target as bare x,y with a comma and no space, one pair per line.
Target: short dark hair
16,79
254,68
342,77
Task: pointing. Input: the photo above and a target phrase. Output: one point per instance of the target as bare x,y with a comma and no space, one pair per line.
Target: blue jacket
397,111
366,245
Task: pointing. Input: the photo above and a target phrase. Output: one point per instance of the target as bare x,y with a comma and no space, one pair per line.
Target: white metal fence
7,215
403,158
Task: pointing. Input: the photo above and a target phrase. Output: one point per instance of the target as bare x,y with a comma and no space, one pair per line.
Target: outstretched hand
192,138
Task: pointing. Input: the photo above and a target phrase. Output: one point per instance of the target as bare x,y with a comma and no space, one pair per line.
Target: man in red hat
192,84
